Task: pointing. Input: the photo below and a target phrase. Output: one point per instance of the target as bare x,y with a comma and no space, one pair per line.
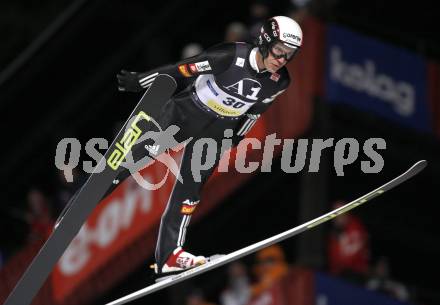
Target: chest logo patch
246,87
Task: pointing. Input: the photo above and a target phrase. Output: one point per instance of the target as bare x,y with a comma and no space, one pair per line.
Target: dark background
66,87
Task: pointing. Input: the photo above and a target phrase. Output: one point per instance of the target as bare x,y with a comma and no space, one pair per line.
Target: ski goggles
278,52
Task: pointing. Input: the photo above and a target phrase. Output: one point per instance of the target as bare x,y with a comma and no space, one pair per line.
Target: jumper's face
278,56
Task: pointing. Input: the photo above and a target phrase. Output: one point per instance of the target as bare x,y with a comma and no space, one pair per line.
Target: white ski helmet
279,28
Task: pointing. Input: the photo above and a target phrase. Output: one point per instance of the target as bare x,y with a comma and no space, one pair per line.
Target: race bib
217,99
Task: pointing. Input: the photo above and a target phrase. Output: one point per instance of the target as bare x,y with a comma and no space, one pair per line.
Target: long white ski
414,170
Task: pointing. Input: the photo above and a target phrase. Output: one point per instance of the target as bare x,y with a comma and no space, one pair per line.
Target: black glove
129,81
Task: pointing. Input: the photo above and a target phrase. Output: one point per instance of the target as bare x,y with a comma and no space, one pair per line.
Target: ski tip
416,168
420,165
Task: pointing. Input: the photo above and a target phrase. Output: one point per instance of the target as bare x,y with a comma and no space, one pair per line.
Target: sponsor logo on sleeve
183,69
239,62
193,68
203,66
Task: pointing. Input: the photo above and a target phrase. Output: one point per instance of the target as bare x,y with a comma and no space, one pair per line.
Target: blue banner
377,77
333,291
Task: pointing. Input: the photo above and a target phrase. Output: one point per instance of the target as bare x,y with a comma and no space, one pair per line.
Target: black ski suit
217,90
